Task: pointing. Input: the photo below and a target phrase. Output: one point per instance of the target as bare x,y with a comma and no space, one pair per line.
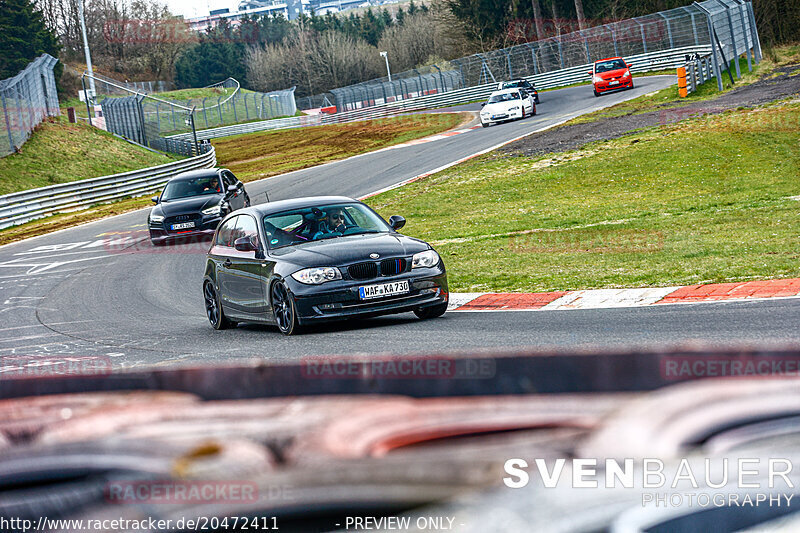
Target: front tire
424,313
216,316
596,93
485,125
283,309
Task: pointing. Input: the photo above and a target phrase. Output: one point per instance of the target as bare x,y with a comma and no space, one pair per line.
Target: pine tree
23,37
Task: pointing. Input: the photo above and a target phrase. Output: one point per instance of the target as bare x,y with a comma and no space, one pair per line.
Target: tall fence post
733,38
8,123
714,58
669,30
754,31
614,38
641,29
694,25
86,98
586,46
747,39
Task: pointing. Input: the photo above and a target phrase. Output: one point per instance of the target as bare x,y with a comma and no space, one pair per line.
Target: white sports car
505,105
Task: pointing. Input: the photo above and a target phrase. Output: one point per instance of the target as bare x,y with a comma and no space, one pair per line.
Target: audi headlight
156,218
426,259
214,210
317,275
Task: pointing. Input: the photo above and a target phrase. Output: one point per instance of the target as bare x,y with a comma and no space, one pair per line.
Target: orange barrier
682,91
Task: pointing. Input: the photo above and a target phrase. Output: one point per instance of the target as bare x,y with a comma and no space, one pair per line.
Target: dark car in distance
193,204
297,262
520,84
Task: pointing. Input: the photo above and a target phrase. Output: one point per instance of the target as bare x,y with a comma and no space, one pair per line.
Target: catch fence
26,100
726,25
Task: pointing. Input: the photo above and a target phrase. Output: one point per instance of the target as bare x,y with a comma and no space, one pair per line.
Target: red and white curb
606,298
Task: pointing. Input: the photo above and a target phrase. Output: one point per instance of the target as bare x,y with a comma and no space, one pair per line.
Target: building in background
290,9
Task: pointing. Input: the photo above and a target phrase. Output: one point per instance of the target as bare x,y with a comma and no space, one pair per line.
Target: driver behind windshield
334,222
212,186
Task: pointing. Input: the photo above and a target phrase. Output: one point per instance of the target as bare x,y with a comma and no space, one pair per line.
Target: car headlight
214,210
627,74
156,218
317,275
426,259
596,79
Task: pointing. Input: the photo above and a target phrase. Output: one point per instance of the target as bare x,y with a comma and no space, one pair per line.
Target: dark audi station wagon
298,262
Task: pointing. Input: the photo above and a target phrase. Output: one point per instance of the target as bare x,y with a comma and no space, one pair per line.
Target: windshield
504,97
318,223
186,188
515,84
605,66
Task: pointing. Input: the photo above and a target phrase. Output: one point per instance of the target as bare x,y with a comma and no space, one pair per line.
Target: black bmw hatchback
298,262
193,203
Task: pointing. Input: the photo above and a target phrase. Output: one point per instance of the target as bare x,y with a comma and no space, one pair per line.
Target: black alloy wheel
283,309
214,311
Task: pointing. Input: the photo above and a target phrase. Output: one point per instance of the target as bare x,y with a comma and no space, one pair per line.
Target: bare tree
537,19
581,17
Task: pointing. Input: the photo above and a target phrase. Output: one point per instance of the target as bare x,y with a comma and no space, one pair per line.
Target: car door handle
227,263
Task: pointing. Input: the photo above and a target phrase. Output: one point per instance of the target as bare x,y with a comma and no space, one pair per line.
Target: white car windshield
504,97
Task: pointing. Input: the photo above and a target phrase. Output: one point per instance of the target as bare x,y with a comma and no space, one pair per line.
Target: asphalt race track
99,289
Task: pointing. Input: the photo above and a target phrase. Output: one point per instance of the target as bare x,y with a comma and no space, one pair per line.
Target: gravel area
783,82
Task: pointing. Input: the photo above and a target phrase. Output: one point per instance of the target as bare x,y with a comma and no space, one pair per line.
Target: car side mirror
591,73
630,65
483,104
244,244
232,189
396,222
155,199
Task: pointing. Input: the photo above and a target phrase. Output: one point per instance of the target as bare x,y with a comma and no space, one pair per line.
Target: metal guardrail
665,59
20,207
696,71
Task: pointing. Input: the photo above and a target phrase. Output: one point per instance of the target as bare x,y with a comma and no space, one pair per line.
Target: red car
611,74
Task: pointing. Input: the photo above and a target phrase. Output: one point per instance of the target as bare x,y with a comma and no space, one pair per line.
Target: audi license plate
384,289
182,225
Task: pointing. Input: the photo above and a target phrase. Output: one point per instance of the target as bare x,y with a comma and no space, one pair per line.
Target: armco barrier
665,59
20,207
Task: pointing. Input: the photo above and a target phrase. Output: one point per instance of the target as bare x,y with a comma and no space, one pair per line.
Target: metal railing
20,207
156,121
695,71
662,60
26,99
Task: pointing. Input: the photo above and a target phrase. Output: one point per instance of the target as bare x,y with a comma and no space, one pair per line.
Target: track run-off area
102,289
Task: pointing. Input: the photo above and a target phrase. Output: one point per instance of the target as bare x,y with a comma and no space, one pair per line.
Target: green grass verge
60,152
259,155
705,200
